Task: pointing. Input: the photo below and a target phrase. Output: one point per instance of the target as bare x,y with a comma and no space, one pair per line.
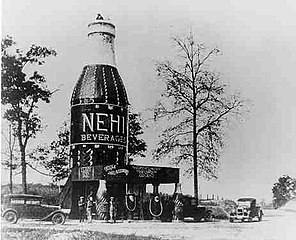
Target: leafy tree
196,107
136,146
21,93
284,190
56,157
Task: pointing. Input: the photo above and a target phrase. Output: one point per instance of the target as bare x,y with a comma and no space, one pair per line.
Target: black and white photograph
148,120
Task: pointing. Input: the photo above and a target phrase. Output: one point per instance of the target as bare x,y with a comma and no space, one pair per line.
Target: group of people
85,208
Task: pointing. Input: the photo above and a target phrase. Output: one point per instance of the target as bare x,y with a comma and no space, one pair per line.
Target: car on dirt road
198,213
26,206
246,209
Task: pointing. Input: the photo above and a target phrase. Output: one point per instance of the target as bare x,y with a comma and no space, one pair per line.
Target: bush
218,212
228,205
220,208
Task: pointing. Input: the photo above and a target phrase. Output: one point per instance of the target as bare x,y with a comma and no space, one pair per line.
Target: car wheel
231,220
208,217
11,217
58,218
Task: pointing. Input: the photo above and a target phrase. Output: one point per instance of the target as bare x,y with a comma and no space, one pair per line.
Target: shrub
218,212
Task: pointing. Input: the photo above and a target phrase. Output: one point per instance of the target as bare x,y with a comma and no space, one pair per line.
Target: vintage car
20,206
246,210
198,213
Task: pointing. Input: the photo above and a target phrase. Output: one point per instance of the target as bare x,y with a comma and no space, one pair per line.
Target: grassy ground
45,234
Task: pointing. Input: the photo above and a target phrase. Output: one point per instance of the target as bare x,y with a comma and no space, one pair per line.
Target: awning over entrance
129,174
151,174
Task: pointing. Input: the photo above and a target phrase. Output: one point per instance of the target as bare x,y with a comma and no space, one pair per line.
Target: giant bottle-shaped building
99,105
99,136
99,117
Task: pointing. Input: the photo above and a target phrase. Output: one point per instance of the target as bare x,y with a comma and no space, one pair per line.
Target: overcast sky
258,41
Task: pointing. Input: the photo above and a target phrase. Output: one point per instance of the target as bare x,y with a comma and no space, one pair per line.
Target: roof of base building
22,195
246,199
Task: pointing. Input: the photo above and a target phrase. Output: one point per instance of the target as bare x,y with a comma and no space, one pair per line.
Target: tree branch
35,169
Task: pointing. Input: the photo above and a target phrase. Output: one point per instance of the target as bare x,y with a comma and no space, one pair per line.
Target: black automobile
26,206
246,209
198,213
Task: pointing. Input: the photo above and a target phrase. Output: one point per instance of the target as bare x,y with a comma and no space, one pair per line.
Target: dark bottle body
99,118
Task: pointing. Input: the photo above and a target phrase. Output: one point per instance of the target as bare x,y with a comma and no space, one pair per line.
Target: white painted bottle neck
101,37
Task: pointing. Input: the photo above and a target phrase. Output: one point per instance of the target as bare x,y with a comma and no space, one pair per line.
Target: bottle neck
102,49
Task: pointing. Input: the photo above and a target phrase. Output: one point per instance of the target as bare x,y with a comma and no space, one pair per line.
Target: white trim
115,84
105,85
93,103
98,143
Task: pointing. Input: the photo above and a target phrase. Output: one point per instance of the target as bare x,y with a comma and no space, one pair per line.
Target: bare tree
197,108
8,154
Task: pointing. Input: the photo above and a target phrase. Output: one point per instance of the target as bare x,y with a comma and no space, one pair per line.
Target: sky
258,42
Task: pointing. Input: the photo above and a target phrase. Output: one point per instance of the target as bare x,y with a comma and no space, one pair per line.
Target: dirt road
276,225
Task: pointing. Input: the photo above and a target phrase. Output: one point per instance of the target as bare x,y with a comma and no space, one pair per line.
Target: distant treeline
284,190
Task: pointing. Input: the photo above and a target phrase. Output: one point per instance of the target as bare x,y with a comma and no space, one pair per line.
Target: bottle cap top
101,26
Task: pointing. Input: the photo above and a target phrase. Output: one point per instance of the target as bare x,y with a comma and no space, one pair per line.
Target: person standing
89,205
112,210
81,209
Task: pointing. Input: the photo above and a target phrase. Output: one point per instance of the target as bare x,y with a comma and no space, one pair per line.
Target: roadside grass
51,234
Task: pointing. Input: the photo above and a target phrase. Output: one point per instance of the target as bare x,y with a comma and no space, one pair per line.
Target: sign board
116,173
129,174
151,174
98,124
88,173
